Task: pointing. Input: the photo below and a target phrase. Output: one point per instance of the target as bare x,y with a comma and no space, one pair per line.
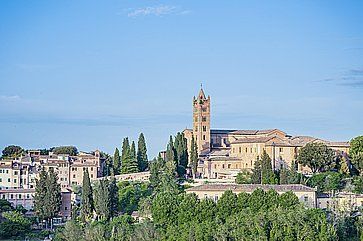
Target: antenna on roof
201,85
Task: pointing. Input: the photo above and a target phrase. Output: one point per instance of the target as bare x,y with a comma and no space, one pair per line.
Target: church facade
225,153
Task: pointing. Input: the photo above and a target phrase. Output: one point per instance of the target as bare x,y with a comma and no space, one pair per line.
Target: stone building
224,153
306,195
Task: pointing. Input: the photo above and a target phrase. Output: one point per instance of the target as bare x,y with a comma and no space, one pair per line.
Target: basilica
225,152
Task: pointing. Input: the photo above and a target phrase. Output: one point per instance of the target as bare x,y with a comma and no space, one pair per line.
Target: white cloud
156,11
10,98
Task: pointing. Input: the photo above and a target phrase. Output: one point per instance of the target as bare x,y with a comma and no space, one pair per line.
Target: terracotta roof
251,187
253,139
216,131
303,140
254,132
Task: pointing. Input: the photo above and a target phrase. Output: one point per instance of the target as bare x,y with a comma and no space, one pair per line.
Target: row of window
229,165
19,196
253,149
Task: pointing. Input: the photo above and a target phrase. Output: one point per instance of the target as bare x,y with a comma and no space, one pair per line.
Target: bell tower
201,121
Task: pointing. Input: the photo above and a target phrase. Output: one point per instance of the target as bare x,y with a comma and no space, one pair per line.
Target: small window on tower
203,137
204,118
204,128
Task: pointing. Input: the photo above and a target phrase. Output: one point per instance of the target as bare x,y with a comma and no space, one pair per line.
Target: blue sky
88,73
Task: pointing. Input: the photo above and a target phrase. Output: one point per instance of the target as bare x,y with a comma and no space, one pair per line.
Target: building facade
224,153
306,195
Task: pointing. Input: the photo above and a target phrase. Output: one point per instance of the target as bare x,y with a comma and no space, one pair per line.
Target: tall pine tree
268,175
113,193
181,150
40,195
129,162
133,150
87,205
125,152
170,151
142,159
116,162
256,172
102,200
47,199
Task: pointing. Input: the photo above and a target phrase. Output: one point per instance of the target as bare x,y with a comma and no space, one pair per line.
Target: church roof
201,94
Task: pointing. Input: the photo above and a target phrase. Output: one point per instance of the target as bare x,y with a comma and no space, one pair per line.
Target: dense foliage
12,151
69,150
316,156
257,216
142,159
47,198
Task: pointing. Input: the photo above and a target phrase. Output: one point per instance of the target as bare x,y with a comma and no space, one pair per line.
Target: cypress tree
142,159
54,196
102,200
268,175
48,198
181,153
87,206
170,151
116,162
113,193
125,153
133,150
40,195
284,176
256,172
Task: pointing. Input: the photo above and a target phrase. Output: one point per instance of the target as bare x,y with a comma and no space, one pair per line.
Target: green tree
116,162
12,151
170,151
326,181
14,224
181,150
129,162
41,195
67,150
165,209
133,150
142,158
87,204
102,200
194,157
156,171
288,200
5,206
53,195
315,155
268,175
356,153
72,232
47,198
187,208
284,176
125,152
256,172
344,168
113,193
244,177
356,145
227,204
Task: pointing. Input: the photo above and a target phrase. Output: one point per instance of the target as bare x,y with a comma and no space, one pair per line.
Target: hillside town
62,186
